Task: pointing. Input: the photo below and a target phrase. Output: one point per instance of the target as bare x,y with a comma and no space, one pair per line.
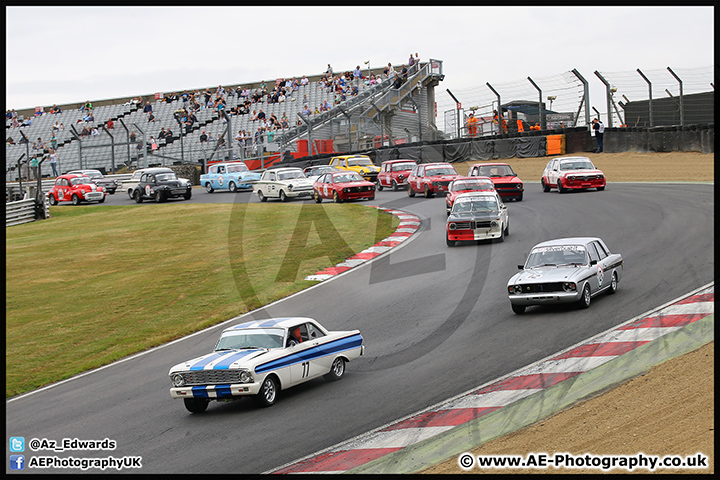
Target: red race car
464,185
394,173
75,189
431,178
342,186
507,183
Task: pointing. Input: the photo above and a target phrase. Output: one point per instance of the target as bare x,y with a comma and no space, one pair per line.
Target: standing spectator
53,142
411,61
357,73
53,162
153,144
133,137
599,131
404,73
472,125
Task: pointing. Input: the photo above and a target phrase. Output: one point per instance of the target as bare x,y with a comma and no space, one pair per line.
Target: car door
382,174
553,173
604,270
419,178
303,354
598,280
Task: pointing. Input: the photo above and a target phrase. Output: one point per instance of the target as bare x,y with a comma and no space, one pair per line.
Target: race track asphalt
436,322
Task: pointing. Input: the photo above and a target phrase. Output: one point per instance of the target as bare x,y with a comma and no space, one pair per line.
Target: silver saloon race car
566,270
260,358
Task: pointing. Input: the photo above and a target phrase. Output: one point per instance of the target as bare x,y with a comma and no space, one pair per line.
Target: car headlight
177,379
514,289
494,223
362,172
452,226
290,187
569,286
246,377
519,186
400,177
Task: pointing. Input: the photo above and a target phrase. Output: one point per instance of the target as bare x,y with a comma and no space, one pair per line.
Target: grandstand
358,118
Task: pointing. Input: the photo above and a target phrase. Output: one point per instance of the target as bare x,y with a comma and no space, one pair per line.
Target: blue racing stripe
336,346
225,363
209,359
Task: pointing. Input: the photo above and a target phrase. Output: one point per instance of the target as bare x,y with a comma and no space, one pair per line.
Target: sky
58,55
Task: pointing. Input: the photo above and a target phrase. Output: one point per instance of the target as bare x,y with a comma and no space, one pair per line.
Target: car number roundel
325,190
220,180
600,276
147,190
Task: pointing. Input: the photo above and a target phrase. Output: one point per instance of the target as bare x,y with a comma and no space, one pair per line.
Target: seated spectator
55,109
89,117
161,135
151,117
86,106
94,131
203,137
147,108
110,124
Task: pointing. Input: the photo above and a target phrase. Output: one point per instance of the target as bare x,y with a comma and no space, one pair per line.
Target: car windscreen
480,205
165,177
577,165
356,162
80,180
347,177
401,167
472,185
251,338
556,255
290,175
430,172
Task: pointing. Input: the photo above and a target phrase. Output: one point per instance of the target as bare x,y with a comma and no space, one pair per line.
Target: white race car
260,358
283,183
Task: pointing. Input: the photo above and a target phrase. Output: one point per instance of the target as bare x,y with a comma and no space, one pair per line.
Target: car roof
351,156
282,322
398,160
458,179
158,170
572,158
283,168
477,194
567,241
83,171
490,164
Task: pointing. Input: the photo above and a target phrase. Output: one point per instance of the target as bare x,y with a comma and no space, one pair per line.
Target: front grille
302,188
483,224
542,287
461,226
211,377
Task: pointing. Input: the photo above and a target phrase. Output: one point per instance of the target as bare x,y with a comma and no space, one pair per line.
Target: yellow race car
361,164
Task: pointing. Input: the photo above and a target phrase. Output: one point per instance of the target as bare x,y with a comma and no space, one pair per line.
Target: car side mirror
593,262
520,267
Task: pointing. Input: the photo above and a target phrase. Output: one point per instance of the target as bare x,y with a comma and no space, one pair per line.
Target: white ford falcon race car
260,358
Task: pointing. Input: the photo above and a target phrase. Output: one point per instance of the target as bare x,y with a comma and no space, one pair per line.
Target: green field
96,283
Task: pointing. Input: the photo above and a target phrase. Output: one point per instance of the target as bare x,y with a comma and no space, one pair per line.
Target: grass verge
96,283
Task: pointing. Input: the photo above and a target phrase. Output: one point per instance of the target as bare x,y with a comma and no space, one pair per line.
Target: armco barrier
20,212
